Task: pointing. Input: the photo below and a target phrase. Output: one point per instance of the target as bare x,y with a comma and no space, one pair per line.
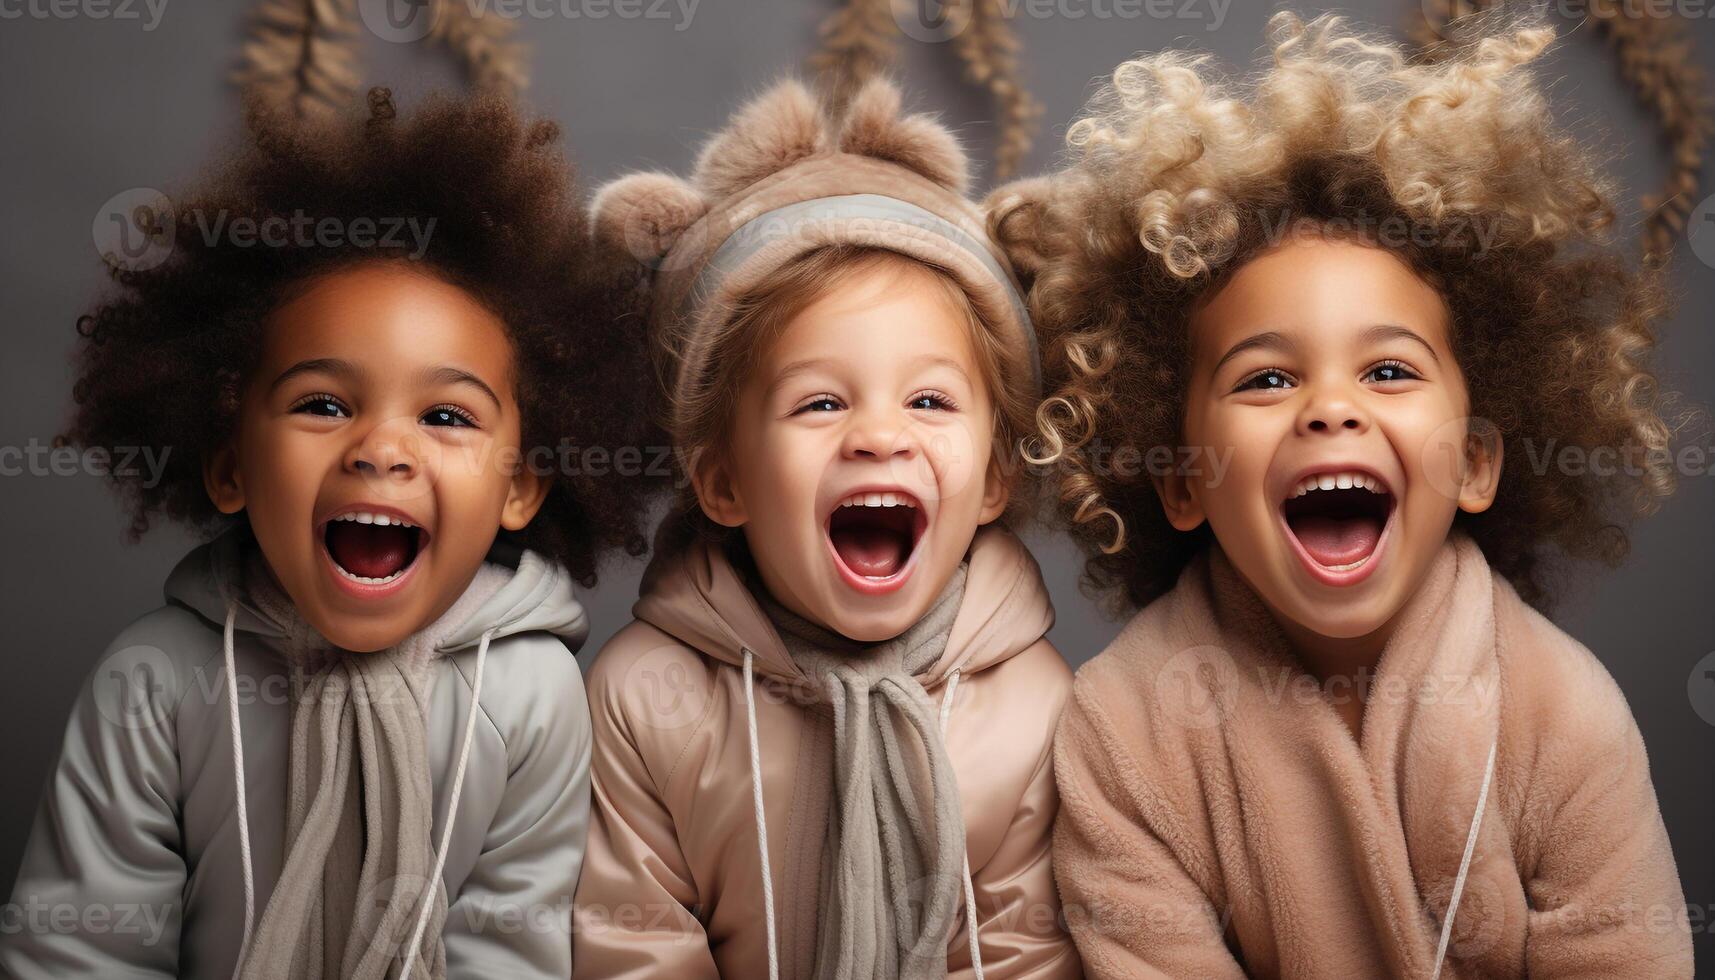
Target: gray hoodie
133,867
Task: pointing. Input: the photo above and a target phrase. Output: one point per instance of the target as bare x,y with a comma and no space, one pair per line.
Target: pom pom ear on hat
873,127
775,130
645,214
1019,220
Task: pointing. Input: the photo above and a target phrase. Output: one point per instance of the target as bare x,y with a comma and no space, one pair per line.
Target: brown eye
820,403
320,406
447,415
1390,371
1266,380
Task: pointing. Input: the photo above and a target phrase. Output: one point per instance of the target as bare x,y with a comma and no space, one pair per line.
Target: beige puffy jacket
671,883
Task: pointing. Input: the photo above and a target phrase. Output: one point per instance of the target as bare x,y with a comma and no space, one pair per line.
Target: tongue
873,552
1335,541
368,550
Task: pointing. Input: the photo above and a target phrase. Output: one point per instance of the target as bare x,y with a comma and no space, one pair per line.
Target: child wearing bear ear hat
822,748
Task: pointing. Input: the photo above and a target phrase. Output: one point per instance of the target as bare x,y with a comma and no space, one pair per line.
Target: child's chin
1345,620
869,627
872,619
369,636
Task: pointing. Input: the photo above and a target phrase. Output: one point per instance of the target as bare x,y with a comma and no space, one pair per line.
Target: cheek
953,461
282,466
1233,449
776,468
472,478
1430,442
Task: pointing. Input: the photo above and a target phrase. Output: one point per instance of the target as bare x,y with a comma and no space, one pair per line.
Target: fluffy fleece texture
874,127
646,213
1218,820
772,132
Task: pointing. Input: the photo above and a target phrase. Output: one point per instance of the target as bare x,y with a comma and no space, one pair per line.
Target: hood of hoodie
700,599
533,595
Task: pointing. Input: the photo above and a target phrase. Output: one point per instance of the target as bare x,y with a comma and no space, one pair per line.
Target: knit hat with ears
783,179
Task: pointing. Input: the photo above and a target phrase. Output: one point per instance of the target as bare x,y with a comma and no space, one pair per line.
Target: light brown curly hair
1178,175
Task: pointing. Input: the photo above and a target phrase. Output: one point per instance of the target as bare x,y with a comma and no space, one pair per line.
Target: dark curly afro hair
1179,176
163,361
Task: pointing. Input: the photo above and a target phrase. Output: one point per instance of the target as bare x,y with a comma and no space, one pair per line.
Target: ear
997,489
645,214
717,491
776,129
874,127
220,477
1484,454
1018,216
1184,511
523,499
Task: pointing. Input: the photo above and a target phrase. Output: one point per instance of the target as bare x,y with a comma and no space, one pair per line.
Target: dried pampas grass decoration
859,41
492,61
989,49
1655,60
301,59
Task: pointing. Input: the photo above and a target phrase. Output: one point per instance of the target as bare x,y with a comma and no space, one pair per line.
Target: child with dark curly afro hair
354,742
1307,335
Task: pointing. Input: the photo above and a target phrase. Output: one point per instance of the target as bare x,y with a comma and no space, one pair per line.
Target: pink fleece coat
1218,818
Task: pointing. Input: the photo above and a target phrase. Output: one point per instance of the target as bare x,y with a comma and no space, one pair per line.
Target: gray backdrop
103,96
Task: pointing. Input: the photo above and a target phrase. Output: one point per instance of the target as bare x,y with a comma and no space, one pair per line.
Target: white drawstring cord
761,818
970,889
238,786
452,810
1465,862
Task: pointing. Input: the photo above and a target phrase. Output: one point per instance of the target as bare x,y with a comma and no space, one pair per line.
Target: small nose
879,434
1332,410
389,448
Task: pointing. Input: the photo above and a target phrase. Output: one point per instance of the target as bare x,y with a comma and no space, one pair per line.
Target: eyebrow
319,365
794,369
448,375
346,370
1393,331
1267,340
810,363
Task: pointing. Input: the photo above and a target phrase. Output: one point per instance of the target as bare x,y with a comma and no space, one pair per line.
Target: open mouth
874,535
1339,521
370,549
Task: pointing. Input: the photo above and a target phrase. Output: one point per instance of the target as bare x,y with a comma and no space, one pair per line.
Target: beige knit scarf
892,861
360,804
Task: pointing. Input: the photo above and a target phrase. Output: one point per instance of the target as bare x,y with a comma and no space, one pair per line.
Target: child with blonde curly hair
822,749
1303,334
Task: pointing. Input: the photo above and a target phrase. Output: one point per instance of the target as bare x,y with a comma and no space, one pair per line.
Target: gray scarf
360,806
892,860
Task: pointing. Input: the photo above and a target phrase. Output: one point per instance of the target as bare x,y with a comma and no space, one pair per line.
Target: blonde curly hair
1180,173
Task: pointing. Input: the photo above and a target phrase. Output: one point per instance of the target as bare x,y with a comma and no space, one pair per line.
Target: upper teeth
878,500
1338,481
364,517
